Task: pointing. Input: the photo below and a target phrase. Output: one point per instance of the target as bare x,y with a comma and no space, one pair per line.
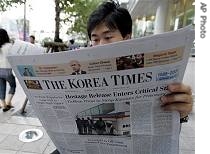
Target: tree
57,20
78,15
5,4
76,12
60,5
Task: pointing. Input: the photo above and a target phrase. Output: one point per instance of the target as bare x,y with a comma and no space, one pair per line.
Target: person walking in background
72,45
6,74
32,39
90,125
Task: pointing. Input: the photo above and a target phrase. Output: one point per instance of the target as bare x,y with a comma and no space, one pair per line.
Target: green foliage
77,14
5,4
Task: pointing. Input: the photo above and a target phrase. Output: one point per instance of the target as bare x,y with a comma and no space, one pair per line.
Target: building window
180,14
143,26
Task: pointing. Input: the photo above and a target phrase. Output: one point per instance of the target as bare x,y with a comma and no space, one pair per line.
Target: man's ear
128,36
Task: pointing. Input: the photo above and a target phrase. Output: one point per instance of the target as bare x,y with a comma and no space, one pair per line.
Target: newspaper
112,104
25,48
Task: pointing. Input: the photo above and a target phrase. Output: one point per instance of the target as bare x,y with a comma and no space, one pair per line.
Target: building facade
157,16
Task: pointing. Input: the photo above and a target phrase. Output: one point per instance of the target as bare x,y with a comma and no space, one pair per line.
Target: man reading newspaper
111,23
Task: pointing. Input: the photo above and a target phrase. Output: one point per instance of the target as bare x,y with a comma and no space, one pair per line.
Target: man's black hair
114,17
72,41
4,38
33,37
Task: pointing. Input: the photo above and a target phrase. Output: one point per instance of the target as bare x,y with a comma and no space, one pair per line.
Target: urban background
64,20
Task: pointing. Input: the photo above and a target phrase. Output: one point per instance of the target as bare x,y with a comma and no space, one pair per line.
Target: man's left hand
179,99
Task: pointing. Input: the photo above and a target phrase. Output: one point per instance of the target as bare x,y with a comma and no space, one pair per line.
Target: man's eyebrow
108,31
94,35
104,33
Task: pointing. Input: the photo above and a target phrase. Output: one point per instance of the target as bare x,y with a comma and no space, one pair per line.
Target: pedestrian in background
32,39
6,74
72,45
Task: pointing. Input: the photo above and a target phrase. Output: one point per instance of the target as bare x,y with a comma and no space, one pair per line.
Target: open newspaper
106,99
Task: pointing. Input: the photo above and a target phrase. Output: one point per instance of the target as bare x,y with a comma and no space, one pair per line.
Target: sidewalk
12,126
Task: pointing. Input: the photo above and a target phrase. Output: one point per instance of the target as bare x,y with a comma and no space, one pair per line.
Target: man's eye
108,37
95,40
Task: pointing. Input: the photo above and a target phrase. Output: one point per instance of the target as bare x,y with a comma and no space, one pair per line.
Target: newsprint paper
106,99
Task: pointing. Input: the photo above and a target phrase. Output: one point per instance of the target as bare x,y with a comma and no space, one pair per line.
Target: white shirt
5,50
18,48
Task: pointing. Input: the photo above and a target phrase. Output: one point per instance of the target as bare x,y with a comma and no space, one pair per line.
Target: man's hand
179,99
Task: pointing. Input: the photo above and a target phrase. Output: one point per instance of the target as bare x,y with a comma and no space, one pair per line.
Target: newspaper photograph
106,99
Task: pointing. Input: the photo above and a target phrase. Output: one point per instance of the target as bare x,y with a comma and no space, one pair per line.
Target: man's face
103,35
75,66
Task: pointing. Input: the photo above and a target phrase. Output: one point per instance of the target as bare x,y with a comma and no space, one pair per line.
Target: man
110,23
32,39
72,45
76,67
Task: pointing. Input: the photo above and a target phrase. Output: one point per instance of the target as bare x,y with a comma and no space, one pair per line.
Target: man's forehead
101,29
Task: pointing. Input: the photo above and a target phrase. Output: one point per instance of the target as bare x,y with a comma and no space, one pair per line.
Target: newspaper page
106,99
25,48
